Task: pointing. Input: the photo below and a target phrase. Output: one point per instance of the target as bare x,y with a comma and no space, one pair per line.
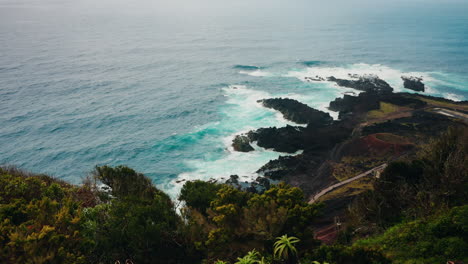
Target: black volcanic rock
297,112
413,83
366,83
420,123
284,139
233,180
401,99
284,165
290,139
364,102
241,143
264,182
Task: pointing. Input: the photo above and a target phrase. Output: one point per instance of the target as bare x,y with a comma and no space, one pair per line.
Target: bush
40,220
435,240
199,194
139,223
239,221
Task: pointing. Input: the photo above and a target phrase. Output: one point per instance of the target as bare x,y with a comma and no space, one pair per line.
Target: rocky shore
366,83
297,112
373,127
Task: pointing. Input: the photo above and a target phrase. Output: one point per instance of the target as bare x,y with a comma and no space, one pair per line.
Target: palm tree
284,248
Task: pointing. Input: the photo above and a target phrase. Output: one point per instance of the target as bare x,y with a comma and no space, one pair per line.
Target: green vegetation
40,220
351,189
385,109
419,206
139,223
351,166
284,247
199,194
434,240
442,103
117,214
237,221
433,182
416,212
391,138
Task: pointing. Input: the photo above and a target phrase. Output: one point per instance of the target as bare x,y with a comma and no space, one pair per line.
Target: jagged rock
284,165
413,83
263,182
242,143
234,181
401,100
284,139
421,122
366,83
297,112
364,102
315,79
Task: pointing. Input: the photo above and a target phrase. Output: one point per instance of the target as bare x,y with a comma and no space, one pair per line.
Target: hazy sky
274,12
233,6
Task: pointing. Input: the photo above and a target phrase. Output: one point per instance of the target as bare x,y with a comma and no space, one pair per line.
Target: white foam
257,73
454,97
241,114
390,75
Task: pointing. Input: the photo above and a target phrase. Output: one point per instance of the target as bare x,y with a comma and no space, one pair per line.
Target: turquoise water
163,86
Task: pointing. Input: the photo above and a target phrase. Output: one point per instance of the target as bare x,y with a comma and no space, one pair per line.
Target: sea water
163,86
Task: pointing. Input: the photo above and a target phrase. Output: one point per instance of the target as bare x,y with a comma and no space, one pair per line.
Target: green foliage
346,254
435,240
238,221
436,180
125,182
284,247
385,109
40,220
140,223
43,220
252,257
445,162
199,194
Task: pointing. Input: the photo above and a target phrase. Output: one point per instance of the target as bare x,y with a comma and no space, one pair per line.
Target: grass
391,138
351,189
443,104
350,166
344,170
385,109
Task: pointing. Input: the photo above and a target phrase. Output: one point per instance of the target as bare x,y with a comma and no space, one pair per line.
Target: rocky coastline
374,127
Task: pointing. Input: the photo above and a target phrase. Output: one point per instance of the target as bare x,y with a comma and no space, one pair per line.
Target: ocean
163,86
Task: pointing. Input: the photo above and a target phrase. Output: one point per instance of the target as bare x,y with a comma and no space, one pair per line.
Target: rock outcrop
366,83
368,101
413,83
241,143
284,139
297,112
355,104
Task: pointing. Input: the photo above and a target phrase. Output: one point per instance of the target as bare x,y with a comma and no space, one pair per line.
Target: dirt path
338,185
451,113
